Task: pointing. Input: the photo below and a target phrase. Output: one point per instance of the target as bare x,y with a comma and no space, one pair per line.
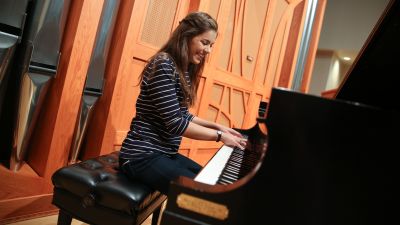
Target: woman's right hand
233,141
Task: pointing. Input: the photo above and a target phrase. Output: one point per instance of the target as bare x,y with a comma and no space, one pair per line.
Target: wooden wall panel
116,107
51,141
250,77
292,47
102,131
240,74
27,193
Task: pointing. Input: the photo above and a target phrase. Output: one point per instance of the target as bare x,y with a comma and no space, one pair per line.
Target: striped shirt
160,117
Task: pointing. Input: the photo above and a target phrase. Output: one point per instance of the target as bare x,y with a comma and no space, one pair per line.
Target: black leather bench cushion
98,181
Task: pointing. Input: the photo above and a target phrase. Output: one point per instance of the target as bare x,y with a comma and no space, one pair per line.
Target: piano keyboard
211,172
227,166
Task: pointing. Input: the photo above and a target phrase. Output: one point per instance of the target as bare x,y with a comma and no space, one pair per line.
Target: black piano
311,160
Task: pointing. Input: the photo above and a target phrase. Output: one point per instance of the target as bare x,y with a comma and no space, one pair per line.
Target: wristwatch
219,133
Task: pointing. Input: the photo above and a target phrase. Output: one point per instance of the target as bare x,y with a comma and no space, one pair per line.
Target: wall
347,24
345,28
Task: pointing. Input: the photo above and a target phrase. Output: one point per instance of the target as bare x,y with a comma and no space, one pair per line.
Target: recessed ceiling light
346,58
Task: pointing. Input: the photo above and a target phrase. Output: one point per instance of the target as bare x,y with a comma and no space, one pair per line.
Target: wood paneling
120,81
246,78
52,137
251,56
30,193
116,107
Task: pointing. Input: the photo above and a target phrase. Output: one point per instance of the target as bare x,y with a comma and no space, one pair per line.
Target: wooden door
255,50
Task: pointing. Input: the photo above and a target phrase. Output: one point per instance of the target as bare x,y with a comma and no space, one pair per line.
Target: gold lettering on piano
202,206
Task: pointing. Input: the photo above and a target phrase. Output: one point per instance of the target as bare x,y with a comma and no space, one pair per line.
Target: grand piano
311,160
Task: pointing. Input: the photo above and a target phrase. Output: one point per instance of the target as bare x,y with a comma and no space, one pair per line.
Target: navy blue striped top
160,117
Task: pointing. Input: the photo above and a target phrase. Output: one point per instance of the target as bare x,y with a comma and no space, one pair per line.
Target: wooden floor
48,220
52,220
24,194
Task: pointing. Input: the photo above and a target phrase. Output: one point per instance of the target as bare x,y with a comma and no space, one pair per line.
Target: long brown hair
177,47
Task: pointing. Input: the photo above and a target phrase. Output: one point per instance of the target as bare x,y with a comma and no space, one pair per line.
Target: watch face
219,133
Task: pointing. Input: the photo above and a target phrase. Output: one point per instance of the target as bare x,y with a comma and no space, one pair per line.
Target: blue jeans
159,171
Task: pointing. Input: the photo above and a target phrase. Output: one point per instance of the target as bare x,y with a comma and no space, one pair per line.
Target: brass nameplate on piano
202,206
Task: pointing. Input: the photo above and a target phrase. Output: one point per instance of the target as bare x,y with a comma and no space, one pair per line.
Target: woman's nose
207,49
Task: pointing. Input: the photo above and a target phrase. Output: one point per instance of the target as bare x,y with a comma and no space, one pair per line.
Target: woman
168,88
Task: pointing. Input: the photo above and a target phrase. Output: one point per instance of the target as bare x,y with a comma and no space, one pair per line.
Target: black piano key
240,163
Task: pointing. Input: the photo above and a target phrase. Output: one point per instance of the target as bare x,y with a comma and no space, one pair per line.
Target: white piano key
212,171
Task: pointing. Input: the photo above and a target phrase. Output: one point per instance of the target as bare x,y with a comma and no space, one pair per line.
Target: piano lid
374,77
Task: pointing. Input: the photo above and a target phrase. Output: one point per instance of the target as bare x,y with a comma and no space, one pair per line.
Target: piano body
318,161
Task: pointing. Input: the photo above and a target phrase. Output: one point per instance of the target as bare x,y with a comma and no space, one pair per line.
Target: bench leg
64,218
157,214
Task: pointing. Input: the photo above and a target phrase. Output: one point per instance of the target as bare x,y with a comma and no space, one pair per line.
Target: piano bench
96,192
